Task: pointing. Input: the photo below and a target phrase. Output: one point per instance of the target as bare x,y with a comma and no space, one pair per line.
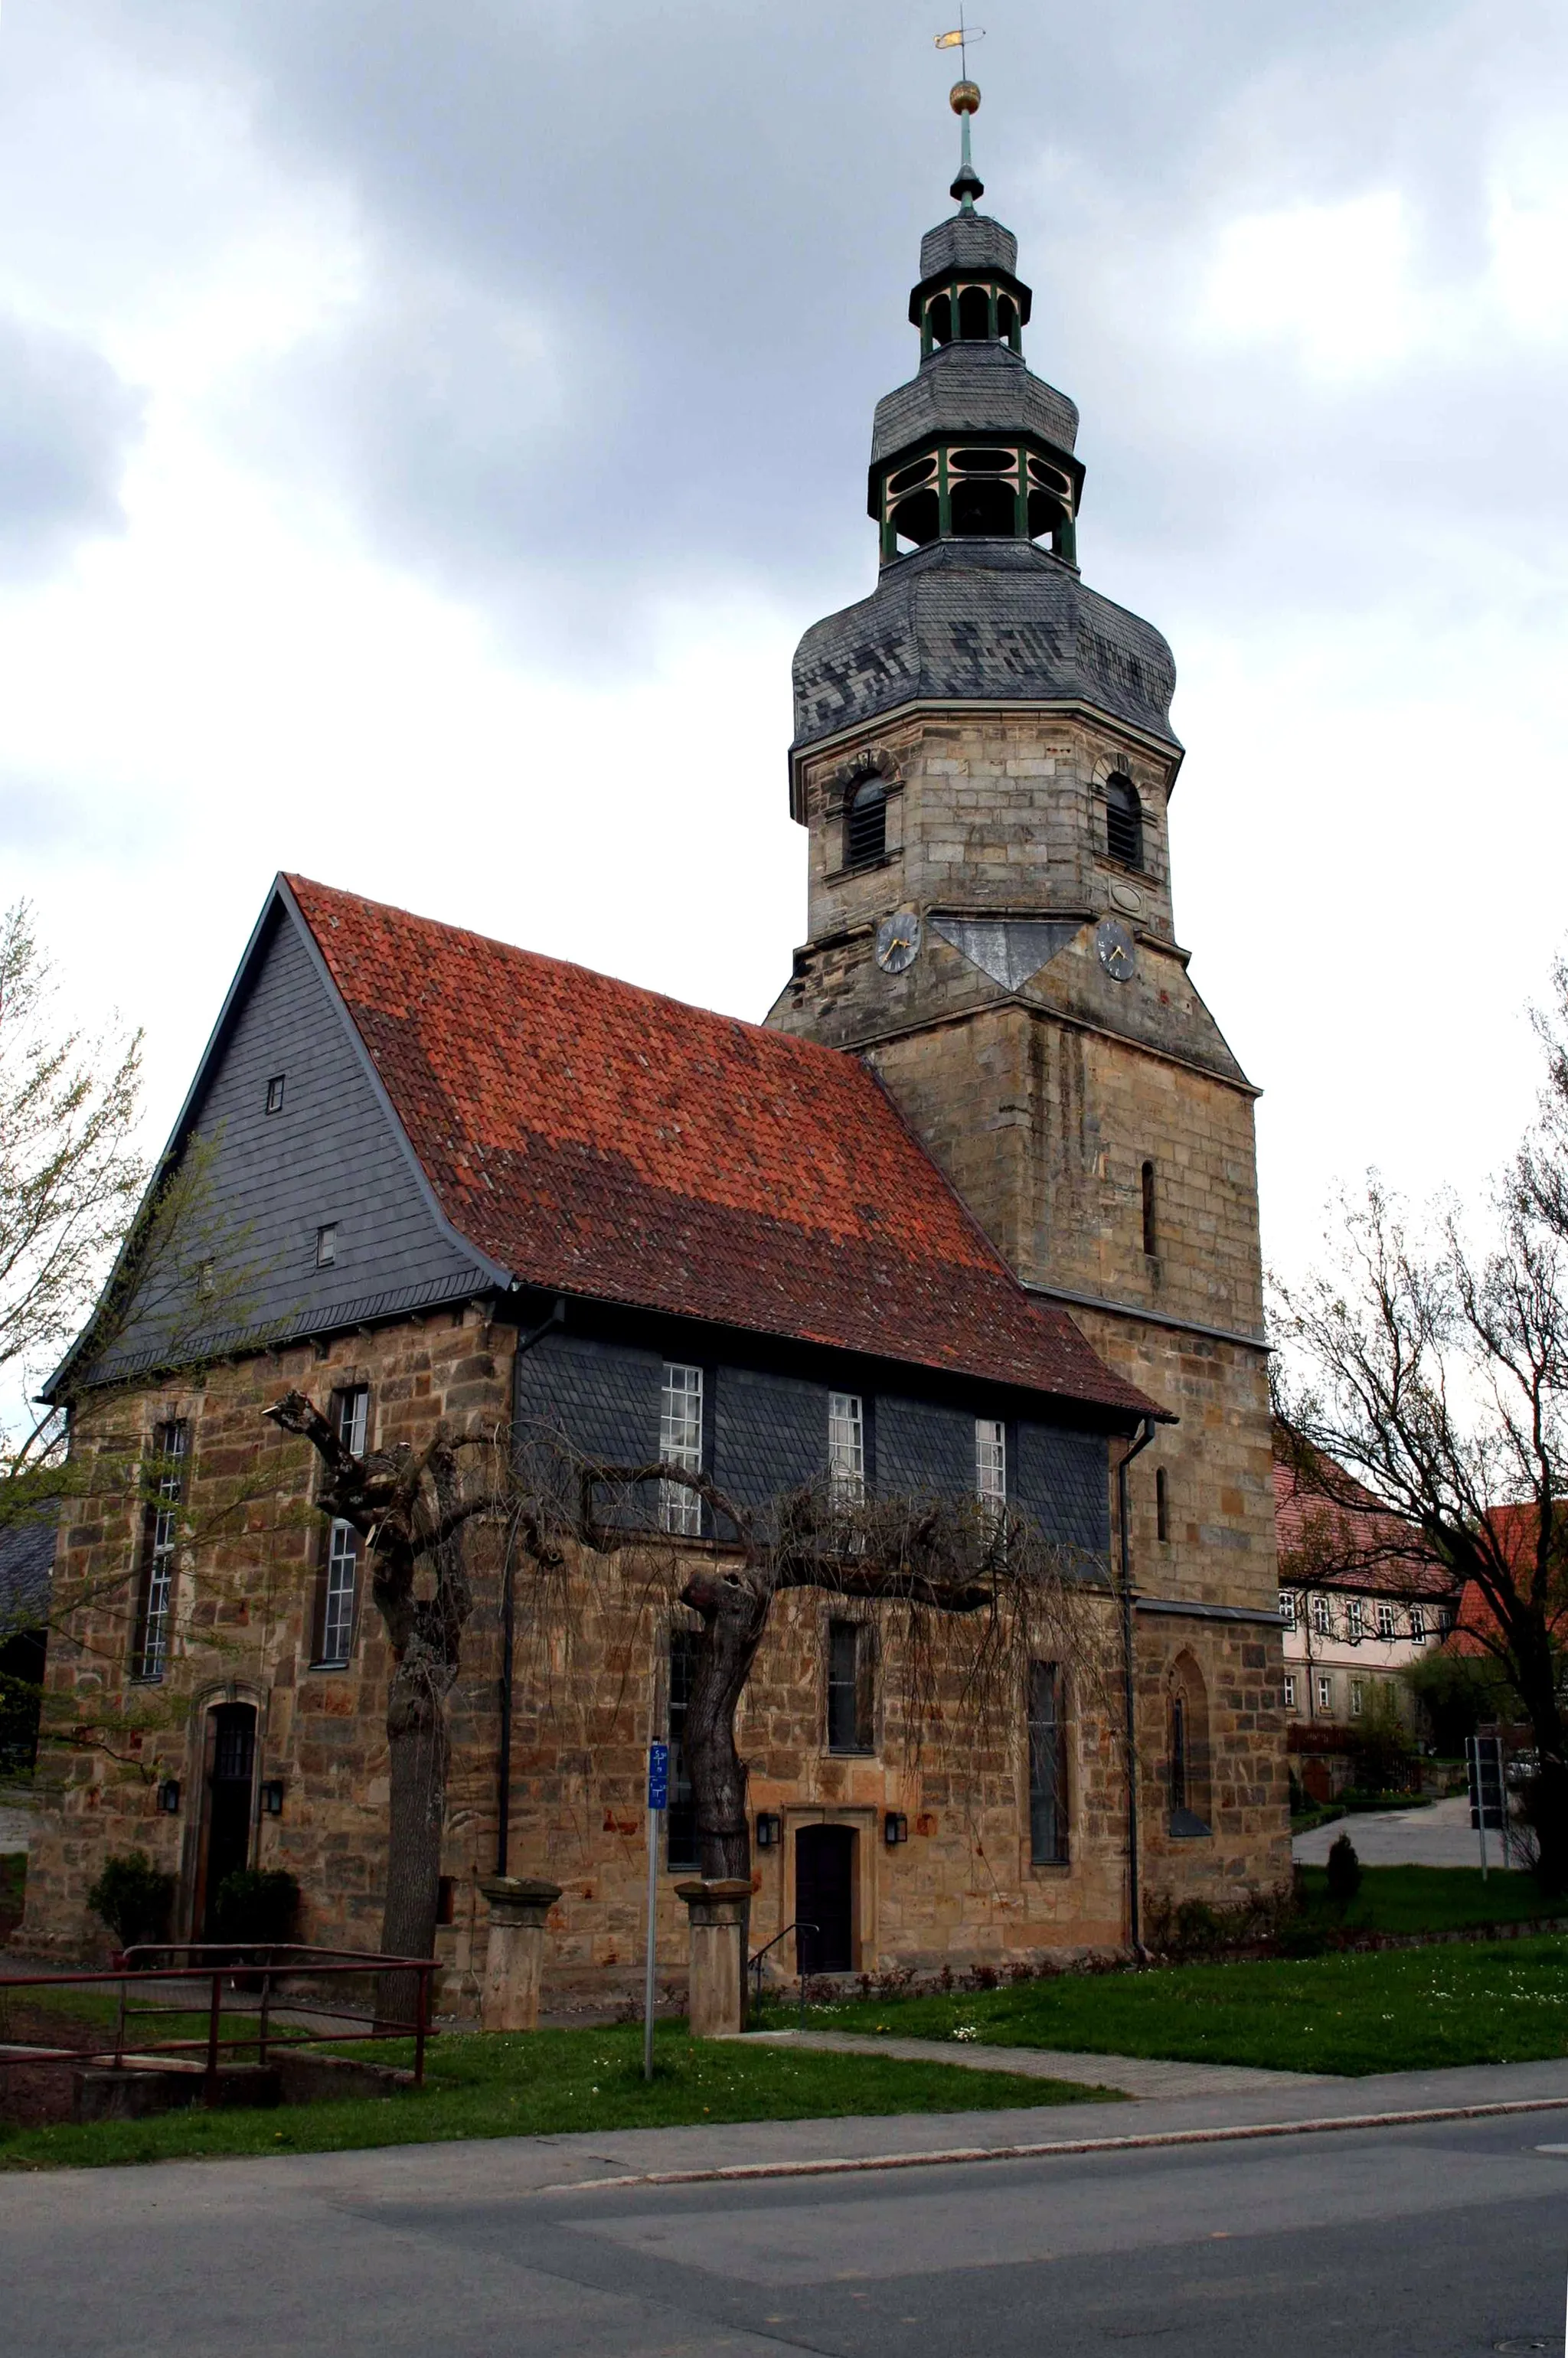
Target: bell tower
984,762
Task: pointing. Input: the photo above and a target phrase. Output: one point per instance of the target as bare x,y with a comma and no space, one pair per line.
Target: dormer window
1123,821
866,825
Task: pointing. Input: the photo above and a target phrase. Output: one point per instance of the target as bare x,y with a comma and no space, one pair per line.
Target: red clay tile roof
598,1139
1325,1544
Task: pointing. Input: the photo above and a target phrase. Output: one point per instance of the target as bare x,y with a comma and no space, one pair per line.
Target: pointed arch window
1123,821
866,825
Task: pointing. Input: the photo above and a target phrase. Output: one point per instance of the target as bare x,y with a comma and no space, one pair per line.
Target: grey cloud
67,423
637,278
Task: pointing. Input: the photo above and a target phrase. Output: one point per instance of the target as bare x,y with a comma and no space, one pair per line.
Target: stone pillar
514,1961
716,2007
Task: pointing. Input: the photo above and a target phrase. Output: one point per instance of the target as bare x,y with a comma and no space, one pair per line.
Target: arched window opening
1151,1231
1188,1770
1162,1504
1123,821
1045,514
915,513
866,825
939,319
1007,320
975,314
983,508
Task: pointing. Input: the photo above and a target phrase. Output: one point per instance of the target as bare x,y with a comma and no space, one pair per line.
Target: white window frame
1324,1692
327,1244
173,1442
990,1467
351,1414
1385,1618
847,1447
1355,1618
1322,1620
1288,1607
680,1444
1290,1684
1358,1698
1418,1620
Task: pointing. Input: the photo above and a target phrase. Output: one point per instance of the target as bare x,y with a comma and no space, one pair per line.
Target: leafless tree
564,1522
1435,1374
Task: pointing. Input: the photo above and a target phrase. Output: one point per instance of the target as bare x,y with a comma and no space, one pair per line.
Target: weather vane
964,98
958,40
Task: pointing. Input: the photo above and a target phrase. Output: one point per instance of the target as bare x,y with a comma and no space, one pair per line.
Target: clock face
1118,951
898,942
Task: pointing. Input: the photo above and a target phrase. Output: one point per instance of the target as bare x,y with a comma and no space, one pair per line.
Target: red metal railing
250,1969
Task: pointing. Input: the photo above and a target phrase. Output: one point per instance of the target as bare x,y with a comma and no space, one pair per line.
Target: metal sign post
658,1801
1489,1793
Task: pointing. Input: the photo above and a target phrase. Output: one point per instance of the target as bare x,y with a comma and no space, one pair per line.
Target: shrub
1344,1871
256,1904
133,1897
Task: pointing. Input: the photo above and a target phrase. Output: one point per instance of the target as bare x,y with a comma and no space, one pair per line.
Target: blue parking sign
658,1776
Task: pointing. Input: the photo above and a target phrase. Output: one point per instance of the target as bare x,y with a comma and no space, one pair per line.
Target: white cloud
1332,280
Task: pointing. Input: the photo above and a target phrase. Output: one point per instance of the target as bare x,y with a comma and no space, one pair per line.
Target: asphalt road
1444,2241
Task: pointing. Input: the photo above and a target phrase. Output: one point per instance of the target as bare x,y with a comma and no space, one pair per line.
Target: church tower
984,761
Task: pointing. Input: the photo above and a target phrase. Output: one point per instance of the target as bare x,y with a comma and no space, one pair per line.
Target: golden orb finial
964,98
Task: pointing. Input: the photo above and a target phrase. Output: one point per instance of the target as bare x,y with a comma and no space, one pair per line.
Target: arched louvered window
866,825
1123,821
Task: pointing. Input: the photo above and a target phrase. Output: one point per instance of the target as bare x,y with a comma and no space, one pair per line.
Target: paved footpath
1129,2075
1440,1837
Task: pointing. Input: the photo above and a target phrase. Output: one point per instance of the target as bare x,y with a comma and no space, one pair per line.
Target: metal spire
964,98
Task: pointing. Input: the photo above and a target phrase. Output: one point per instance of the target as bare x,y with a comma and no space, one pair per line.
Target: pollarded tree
571,1528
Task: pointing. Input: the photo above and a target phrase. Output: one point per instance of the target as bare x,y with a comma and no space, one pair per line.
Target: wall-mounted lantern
169,1796
896,1828
769,1830
272,1798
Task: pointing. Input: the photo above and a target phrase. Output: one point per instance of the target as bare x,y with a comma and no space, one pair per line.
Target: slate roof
980,622
967,242
27,1559
971,388
602,1140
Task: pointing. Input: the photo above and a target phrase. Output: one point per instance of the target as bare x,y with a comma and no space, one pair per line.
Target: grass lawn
1398,2010
1431,1898
550,2083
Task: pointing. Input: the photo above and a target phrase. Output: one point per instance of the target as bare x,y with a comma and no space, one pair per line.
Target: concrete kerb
950,2156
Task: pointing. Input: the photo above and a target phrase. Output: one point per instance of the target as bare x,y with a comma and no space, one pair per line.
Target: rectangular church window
1047,1766
340,1582
680,1444
682,1856
171,1446
850,1700
990,1465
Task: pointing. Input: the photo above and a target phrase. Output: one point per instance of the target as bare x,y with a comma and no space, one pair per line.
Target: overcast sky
426,428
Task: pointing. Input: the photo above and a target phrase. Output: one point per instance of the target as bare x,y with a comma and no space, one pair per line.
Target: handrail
754,1965
225,1962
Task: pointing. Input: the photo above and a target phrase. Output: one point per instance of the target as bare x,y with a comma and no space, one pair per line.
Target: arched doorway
230,1809
825,1896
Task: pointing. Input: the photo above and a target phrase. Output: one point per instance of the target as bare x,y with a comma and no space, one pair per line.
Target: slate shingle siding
603,1396
330,1154
1061,1478
770,1434
922,1446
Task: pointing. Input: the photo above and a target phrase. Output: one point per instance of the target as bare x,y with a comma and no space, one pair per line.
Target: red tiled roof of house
1379,1553
598,1139
1514,1527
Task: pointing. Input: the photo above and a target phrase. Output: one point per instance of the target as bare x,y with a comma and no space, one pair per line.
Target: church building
973,1214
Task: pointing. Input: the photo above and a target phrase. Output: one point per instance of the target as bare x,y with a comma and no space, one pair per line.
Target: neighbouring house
974,1214
26,1556
1360,1600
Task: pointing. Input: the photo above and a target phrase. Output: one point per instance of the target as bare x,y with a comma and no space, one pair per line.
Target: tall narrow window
1289,1689
1047,1766
990,1465
1385,1618
847,1447
1356,1620
1418,1620
1180,1756
171,1446
1189,1759
1123,821
1161,1504
327,1244
680,1444
1357,1692
1320,1617
681,1851
1326,1695
866,825
335,1634
275,1093
1288,1607
849,1697
1151,1231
